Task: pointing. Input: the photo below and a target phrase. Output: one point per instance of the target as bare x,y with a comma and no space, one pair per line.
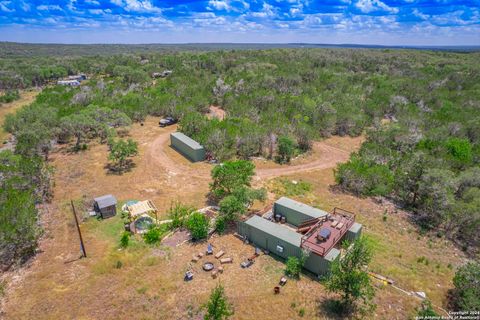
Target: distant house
71,83
105,206
187,146
79,77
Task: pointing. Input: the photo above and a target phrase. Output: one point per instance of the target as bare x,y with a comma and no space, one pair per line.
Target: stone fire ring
208,266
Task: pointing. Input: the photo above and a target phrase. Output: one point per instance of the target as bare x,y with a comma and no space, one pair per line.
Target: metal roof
105,201
332,254
355,227
187,140
275,230
301,207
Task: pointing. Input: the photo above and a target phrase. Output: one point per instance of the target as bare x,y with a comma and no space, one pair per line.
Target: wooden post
82,246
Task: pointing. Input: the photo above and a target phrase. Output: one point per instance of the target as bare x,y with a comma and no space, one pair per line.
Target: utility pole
82,246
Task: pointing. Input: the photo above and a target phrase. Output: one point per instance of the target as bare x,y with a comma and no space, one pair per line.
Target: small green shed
296,212
187,146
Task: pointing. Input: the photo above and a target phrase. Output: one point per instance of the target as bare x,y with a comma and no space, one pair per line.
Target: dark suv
168,121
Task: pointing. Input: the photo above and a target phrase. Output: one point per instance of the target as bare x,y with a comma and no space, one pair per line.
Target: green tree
229,176
218,307
79,125
285,149
467,287
349,278
198,225
231,208
121,151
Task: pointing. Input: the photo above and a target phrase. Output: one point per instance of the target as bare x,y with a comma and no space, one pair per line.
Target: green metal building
296,212
284,242
187,146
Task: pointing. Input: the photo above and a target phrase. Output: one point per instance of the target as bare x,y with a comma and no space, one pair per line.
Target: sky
382,22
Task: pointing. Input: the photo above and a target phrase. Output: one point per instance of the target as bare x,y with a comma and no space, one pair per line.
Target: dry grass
144,282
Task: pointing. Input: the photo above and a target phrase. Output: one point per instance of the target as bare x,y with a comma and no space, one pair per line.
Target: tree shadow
117,169
333,309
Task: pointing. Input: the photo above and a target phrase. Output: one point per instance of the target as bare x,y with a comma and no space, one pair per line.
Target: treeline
427,159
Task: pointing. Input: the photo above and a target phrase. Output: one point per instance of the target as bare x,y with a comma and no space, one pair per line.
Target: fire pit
208,266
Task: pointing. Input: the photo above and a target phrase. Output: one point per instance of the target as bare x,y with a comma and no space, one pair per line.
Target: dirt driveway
325,154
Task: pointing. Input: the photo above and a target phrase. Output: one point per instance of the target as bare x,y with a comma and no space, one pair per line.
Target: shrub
220,224
285,150
426,310
179,213
467,287
293,267
218,307
125,239
197,224
152,236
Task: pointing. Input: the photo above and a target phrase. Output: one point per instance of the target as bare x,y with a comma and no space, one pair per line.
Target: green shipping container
188,147
283,242
296,212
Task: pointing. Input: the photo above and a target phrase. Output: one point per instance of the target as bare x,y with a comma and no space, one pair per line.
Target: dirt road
324,155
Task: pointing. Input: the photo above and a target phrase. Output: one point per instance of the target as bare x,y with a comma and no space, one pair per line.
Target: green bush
125,239
285,150
153,235
467,287
293,267
198,224
363,178
220,224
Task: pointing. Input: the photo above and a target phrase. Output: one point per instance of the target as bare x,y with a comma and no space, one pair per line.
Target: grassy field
144,282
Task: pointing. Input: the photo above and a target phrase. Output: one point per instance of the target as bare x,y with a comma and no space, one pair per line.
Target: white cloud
267,11
419,14
49,8
218,5
96,11
140,6
25,6
94,2
367,6
117,2
4,6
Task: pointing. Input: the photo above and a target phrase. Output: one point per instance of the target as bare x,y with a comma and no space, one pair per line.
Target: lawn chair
340,225
209,249
334,223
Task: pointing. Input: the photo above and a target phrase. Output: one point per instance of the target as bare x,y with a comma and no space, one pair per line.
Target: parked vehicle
168,121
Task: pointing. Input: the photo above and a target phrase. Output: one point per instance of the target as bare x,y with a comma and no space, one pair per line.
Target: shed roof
301,207
275,230
355,227
187,140
105,201
332,254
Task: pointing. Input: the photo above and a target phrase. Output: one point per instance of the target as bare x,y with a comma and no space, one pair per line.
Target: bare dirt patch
216,112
